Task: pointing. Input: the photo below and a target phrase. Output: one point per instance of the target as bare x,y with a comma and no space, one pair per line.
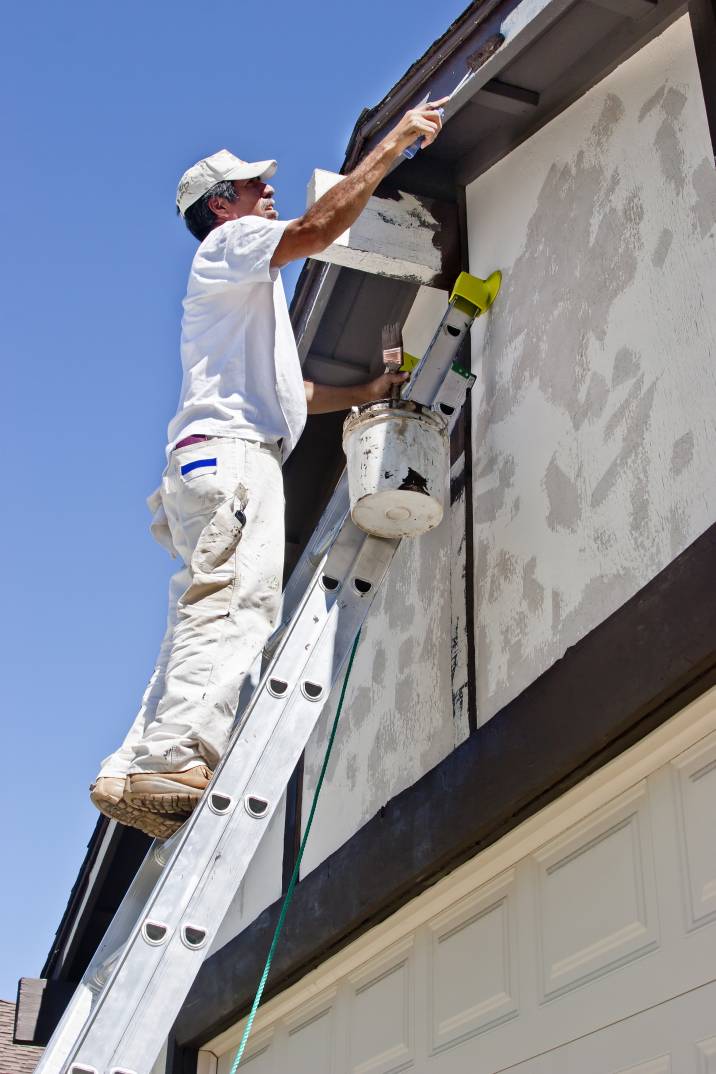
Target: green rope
294,876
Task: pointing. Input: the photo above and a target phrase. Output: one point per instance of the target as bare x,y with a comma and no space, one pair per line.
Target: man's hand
421,122
341,206
329,398
380,388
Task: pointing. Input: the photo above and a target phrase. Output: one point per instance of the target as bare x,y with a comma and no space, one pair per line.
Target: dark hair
199,218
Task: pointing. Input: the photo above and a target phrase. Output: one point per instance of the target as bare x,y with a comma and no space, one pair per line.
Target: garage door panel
706,1052
667,1039
609,857
695,773
474,972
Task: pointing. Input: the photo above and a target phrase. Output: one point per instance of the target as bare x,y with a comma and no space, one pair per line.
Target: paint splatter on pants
223,603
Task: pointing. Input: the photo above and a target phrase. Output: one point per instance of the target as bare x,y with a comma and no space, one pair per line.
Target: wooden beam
633,9
398,235
702,14
504,97
40,1005
307,325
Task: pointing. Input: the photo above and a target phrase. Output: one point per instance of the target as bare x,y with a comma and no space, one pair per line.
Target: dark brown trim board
702,14
636,669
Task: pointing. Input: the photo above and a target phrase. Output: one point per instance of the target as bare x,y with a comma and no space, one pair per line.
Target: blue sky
105,106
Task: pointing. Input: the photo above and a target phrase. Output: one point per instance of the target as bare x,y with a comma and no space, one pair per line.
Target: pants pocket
219,538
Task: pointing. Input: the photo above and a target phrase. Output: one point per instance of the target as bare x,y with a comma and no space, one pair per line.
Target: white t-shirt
241,372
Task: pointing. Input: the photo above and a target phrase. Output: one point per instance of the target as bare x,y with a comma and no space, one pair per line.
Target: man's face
255,198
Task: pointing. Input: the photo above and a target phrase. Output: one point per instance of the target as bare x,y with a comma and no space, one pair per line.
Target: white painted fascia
392,237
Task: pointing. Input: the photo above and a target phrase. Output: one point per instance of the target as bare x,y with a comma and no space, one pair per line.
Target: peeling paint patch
563,498
626,366
682,453
704,183
595,400
667,141
678,530
661,250
650,104
612,113
504,569
636,420
670,155
489,503
532,590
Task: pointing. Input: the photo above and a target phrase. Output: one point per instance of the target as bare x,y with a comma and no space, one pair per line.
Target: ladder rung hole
362,586
193,936
329,583
77,1069
447,409
220,803
256,806
277,687
122,1070
311,690
154,932
452,330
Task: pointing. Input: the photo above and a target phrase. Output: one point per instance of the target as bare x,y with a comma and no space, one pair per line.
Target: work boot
107,794
167,792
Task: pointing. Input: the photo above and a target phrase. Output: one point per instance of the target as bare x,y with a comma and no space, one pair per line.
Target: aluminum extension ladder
125,1006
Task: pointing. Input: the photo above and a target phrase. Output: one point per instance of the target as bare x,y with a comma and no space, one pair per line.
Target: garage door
583,943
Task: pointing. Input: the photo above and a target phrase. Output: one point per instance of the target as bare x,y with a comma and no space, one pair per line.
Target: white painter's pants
223,603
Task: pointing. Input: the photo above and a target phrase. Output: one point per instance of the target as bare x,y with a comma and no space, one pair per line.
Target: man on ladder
243,406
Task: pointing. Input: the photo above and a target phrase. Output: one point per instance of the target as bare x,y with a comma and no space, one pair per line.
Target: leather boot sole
152,824
159,793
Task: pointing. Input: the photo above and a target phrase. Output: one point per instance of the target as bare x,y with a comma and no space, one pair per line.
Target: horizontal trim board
626,677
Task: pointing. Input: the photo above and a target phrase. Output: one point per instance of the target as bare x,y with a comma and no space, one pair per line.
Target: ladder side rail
125,921
213,895
95,976
214,852
423,386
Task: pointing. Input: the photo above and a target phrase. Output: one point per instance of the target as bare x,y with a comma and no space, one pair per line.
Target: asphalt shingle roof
14,1058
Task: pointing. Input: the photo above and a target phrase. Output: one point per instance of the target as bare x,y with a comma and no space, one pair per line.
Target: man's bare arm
327,398
343,203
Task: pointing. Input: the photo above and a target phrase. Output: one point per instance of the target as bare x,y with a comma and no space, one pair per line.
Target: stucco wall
594,435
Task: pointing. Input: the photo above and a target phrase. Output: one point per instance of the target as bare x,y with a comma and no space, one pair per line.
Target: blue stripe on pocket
189,466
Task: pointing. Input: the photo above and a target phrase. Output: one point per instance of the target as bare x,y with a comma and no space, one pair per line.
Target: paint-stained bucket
397,467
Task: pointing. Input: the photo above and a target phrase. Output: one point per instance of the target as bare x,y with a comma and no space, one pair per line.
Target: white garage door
582,943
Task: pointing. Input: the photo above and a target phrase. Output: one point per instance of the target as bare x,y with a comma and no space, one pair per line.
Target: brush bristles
391,337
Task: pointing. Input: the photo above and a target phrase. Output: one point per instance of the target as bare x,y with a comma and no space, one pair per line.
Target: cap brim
260,169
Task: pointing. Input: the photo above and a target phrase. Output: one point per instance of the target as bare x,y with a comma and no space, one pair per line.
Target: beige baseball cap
203,175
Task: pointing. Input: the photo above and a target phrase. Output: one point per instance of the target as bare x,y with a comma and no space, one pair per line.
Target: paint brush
392,340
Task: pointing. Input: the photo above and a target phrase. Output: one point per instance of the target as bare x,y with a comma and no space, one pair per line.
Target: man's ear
219,207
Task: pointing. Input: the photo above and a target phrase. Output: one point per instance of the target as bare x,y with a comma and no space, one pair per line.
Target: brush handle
395,389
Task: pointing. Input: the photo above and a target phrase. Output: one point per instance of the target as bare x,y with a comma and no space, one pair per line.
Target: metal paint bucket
397,467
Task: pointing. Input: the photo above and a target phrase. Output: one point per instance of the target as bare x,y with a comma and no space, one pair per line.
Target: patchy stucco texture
594,431
399,720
